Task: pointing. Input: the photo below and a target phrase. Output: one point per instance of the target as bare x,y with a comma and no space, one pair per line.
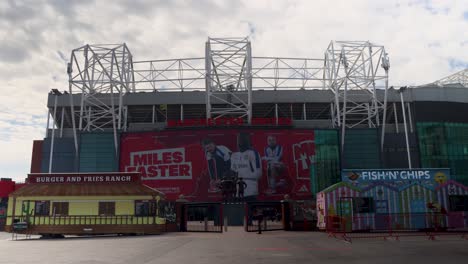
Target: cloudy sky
426,40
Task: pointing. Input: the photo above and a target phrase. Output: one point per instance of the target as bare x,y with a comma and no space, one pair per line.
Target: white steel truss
460,77
354,72
170,75
228,66
268,73
101,75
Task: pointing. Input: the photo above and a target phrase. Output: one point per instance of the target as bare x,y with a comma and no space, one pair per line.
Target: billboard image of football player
246,163
273,156
218,158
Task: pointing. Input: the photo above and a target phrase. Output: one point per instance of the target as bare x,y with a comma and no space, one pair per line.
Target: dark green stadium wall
63,158
97,153
444,145
361,149
327,160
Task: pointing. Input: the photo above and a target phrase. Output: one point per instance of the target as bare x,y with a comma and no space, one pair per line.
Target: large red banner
272,163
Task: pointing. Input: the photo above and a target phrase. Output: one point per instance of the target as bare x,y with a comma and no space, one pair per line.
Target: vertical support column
90,123
154,112
406,131
408,106
181,112
304,111
248,76
343,122
114,117
119,116
82,109
332,112
125,110
61,123
337,111
369,121
276,113
72,107
345,98
396,117
208,80
384,111
48,122
53,134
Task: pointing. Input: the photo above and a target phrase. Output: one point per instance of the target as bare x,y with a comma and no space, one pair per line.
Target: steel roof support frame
228,65
102,75
460,77
361,67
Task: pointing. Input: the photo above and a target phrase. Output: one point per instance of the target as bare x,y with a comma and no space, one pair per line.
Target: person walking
259,220
241,185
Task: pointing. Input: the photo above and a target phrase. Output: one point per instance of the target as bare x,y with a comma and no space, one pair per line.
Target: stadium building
285,125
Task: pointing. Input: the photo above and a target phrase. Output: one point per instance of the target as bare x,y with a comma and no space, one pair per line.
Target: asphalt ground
234,246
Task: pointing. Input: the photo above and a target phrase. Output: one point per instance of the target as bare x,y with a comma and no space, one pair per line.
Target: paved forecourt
234,246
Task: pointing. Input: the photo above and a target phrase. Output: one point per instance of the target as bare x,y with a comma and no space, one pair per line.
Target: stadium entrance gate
270,213
202,217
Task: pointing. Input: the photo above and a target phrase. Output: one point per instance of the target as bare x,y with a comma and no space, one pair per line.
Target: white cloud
421,37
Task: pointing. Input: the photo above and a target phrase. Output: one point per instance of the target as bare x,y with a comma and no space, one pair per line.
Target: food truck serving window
144,208
41,207
363,205
106,208
60,208
458,202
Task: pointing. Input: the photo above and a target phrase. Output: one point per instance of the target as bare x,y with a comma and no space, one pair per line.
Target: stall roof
450,182
340,184
80,189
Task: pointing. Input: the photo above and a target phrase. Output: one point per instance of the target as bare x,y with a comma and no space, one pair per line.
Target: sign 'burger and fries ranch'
83,178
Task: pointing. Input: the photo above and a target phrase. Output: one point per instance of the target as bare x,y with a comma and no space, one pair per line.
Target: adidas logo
303,189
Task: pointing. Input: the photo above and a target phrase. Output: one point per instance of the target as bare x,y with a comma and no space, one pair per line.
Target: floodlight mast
101,74
354,72
228,64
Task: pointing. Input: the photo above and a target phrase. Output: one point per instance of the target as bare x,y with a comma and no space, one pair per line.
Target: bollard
206,224
225,224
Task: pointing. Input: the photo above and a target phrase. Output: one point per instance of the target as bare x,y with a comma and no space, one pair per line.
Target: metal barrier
395,225
270,214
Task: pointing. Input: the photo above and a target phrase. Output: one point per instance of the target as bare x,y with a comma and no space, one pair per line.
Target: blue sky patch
457,63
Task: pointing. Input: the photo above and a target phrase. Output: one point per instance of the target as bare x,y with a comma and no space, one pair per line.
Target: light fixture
56,92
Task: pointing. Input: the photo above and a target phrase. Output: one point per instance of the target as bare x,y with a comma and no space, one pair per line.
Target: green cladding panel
63,156
445,145
97,153
361,149
326,171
